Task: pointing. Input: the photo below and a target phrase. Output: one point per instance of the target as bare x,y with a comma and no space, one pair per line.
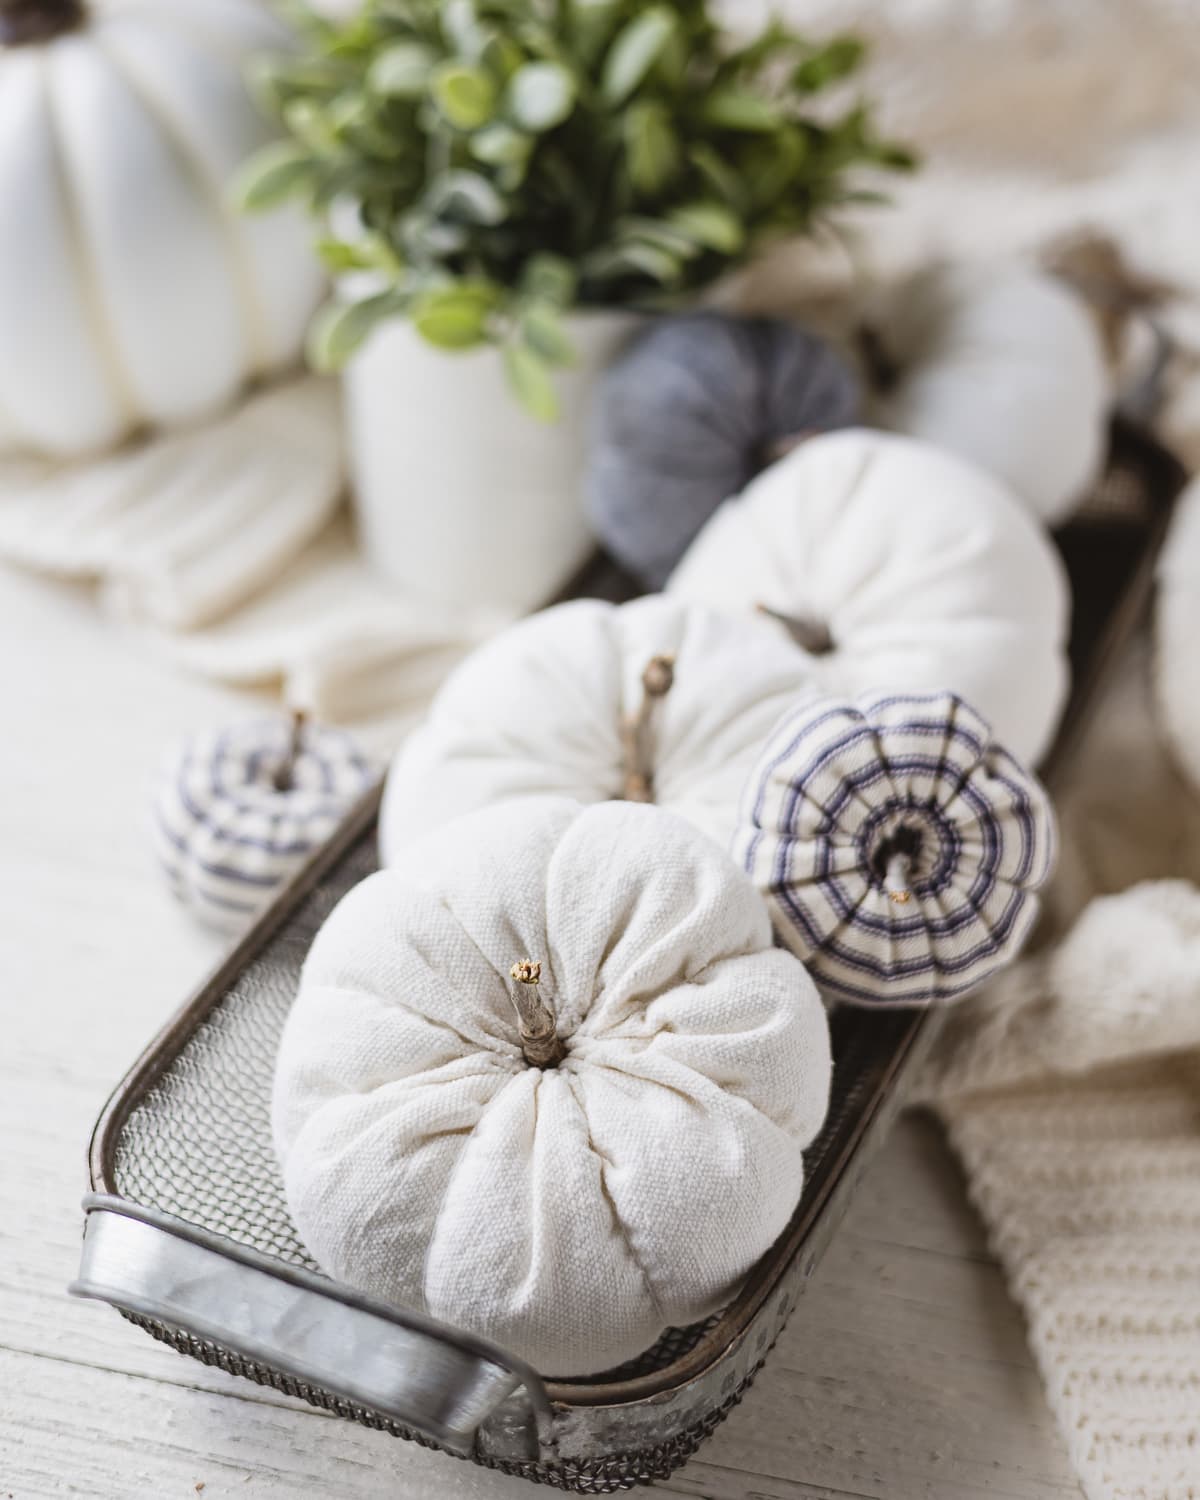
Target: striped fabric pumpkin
240,810
898,847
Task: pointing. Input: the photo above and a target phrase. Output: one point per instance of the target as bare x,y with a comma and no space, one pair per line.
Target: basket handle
429,1378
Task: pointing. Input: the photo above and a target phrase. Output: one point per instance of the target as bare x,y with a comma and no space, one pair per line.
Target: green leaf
635,51
310,124
741,109
368,254
272,175
466,96
542,328
718,174
466,195
710,224
833,62
550,278
341,328
651,147
541,95
499,144
402,70
455,317
529,376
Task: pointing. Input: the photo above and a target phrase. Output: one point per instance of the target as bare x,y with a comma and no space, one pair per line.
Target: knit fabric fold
1071,1092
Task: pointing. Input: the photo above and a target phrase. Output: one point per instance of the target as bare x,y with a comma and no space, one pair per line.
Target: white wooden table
904,1373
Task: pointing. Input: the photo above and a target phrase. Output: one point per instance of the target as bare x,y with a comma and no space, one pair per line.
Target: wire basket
187,1228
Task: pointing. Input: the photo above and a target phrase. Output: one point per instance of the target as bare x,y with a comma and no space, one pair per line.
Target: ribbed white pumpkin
131,291
925,572
571,1211
1003,365
540,709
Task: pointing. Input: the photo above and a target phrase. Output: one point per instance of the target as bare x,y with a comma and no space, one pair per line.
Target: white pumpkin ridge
137,295
570,1208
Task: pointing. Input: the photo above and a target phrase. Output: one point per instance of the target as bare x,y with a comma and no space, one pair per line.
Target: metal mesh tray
188,1234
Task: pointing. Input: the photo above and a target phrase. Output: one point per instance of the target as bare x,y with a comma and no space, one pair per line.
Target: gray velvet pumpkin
689,414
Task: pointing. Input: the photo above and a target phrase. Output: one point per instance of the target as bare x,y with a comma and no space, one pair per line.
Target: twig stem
536,1016
284,778
637,739
896,879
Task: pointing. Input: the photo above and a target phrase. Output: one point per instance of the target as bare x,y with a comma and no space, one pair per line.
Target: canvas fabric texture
573,1213
927,573
540,709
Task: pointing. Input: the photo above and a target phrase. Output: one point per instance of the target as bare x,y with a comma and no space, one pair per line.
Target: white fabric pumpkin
539,709
923,570
569,1213
131,291
1003,365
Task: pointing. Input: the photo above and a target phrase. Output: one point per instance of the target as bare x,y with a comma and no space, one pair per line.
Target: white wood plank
904,1373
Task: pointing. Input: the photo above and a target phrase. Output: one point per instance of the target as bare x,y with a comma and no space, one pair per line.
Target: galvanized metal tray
188,1235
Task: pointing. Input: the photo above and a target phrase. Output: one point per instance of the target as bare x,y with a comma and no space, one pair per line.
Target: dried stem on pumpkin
637,738
24,22
809,633
284,778
896,879
536,1017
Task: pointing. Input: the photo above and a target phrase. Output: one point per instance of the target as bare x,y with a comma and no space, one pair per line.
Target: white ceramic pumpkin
132,293
901,567
565,1159
559,703
1003,365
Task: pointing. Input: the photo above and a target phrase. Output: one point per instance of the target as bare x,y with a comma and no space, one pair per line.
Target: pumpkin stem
536,1017
1095,267
782,446
881,367
23,22
284,778
637,750
896,879
809,633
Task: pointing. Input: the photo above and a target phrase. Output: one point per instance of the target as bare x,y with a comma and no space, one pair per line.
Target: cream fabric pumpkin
131,291
920,571
551,706
570,1212
1003,365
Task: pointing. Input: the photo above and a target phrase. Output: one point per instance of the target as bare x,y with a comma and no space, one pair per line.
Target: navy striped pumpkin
898,847
240,810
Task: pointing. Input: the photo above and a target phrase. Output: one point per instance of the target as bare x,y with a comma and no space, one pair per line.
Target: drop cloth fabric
540,708
927,573
573,1213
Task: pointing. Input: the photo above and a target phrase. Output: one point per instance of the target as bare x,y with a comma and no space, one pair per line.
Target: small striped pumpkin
131,292
240,810
898,847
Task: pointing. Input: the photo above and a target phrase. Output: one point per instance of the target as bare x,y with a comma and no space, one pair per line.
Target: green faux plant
506,161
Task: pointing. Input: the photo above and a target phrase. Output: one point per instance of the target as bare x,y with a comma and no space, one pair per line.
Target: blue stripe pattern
226,837
843,787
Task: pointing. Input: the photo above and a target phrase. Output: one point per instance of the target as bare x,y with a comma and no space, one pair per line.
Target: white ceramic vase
463,498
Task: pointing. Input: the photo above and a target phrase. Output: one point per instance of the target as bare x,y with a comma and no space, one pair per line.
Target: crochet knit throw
1070,1089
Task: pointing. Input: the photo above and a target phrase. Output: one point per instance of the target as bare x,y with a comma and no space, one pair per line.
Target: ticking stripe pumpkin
898,847
240,810
131,292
